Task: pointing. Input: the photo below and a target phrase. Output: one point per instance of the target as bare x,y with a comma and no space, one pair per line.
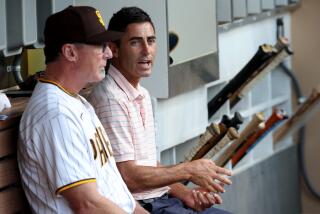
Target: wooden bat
231,134
276,116
225,124
210,134
212,142
206,142
285,116
251,127
281,53
300,117
264,53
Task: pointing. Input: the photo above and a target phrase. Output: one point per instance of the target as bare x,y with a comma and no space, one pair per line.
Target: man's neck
61,76
133,81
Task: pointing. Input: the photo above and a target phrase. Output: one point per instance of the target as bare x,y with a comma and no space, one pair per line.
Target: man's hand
204,172
199,199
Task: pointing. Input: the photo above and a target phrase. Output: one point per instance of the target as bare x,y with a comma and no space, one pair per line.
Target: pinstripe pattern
118,106
54,151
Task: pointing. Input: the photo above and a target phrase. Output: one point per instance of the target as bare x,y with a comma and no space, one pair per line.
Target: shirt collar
131,92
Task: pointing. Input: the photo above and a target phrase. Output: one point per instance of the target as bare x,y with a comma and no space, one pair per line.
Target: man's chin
102,74
98,78
146,73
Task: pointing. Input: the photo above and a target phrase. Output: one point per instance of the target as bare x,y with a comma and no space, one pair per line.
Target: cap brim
107,36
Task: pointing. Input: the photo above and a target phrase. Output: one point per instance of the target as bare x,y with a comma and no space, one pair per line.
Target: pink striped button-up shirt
126,114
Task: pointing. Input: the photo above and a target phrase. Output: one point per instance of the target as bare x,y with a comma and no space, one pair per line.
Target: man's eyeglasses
103,45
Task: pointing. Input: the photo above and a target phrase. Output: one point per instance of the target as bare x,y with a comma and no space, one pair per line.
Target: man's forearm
140,178
202,172
85,199
102,206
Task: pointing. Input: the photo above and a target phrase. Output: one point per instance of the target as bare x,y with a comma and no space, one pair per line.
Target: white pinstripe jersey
118,105
62,144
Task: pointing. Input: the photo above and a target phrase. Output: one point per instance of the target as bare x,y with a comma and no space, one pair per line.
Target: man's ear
69,51
114,48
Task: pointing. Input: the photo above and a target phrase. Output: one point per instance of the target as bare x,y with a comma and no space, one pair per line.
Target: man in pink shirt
124,108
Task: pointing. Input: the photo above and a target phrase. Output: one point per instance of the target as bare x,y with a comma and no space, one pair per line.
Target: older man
65,158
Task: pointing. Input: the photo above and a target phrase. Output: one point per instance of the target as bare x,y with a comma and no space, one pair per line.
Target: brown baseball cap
77,24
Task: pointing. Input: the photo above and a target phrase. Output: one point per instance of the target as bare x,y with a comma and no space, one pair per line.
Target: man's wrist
186,171
179,191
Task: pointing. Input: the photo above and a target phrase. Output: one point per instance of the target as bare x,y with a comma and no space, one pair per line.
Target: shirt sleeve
115,118
64,153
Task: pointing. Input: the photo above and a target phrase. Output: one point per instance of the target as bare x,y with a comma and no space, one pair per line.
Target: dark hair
128,15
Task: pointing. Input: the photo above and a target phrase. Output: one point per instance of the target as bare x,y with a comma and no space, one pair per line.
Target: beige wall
306,64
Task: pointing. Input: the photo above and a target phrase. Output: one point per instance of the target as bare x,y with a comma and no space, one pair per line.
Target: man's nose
145,47
107,53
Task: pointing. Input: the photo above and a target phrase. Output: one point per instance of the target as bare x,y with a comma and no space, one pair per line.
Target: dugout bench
12,197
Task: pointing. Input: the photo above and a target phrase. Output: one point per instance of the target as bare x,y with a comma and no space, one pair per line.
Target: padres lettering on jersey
101,146
56,151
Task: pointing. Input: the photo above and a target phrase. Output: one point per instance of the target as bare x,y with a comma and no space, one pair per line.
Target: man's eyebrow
141,38
135,38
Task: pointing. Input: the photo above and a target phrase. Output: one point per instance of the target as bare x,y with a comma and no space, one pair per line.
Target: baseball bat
231,134
264,53
250,128
282,52
275,117
207,142
300,117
